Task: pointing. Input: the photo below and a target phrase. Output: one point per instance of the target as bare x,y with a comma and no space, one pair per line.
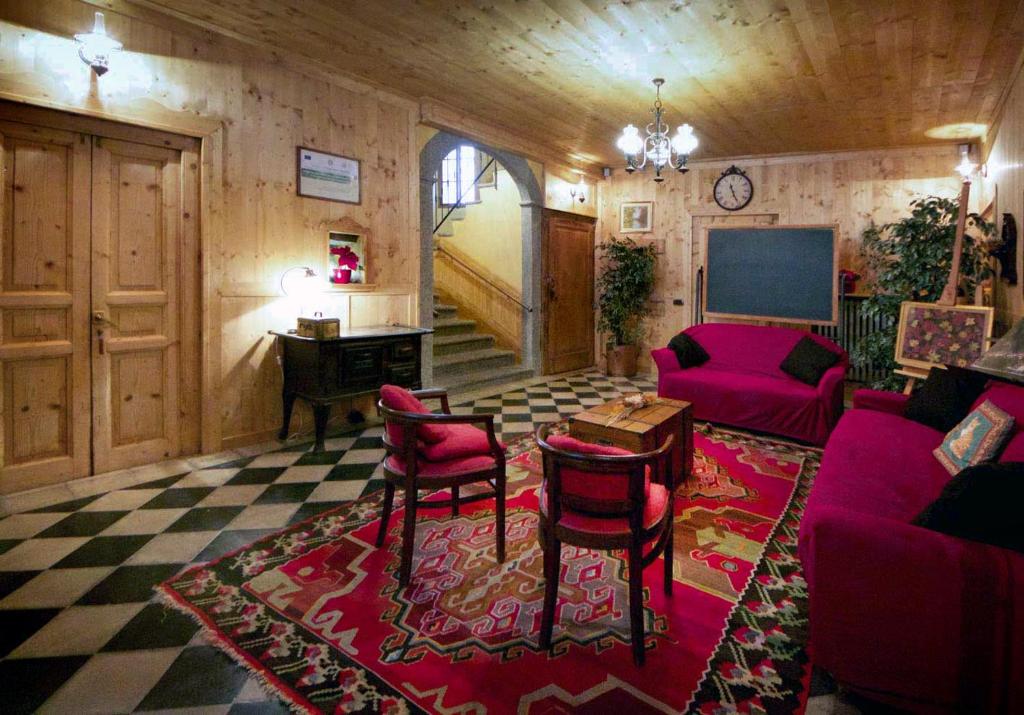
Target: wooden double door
98,297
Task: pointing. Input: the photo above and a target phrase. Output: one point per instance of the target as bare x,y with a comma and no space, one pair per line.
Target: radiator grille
854,326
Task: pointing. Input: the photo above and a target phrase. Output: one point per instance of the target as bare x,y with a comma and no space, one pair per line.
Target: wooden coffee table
644,430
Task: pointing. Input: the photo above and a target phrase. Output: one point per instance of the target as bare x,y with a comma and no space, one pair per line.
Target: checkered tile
80,630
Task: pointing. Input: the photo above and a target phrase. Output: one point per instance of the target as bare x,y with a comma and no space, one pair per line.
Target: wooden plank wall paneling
1005,183
266,110
851,189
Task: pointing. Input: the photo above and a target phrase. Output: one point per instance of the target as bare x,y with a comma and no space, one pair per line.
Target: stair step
453,326
462,342
444,310
473,380
469,360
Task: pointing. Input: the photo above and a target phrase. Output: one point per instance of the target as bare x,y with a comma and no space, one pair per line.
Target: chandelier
657,148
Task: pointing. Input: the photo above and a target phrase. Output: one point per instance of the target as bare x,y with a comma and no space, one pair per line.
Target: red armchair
605,498
432,452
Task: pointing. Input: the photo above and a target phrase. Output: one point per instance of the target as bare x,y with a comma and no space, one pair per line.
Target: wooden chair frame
553,534
411,485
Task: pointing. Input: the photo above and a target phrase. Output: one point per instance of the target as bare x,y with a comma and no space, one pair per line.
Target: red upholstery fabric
892,402
1009,398
742,385
935,621
460,440
610,488
654,511
452,467
1014,450
401,400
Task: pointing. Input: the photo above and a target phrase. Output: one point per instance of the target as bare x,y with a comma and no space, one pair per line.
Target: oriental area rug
315,610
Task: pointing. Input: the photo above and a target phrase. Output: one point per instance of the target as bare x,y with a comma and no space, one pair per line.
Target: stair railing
458,204
438,248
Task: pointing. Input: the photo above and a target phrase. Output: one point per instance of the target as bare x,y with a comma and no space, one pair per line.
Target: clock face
733,190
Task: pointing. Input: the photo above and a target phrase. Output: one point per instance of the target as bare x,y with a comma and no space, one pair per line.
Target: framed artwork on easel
930,335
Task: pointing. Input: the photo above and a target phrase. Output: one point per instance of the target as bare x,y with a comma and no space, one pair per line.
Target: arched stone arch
532,202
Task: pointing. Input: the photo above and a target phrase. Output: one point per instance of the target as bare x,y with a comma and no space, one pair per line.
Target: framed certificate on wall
331,177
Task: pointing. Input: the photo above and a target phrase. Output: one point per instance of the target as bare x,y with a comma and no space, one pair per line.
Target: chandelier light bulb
96,47
684,142
630,142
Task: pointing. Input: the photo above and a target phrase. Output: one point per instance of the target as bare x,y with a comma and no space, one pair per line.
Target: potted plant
910,259
624,287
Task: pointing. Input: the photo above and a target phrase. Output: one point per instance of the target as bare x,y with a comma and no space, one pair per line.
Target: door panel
44,332
568,292
136,237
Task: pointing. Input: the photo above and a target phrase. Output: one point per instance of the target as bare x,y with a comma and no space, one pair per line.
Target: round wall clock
733,190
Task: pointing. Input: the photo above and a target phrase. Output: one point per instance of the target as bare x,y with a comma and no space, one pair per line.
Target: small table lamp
1005,359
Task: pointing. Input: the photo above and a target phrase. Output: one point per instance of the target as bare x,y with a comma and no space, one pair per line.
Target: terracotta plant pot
622,360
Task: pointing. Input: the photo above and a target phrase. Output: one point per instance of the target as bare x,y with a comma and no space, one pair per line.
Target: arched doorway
531,202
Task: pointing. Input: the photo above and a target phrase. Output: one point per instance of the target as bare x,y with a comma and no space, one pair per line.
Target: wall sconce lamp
579,191
96,47
966,167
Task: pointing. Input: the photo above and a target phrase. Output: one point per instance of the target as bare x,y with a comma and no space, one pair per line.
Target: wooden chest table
644,430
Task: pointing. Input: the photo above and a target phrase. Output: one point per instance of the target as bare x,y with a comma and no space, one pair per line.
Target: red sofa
906,615
741,384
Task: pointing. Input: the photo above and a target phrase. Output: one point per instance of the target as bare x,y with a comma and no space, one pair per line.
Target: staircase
465,360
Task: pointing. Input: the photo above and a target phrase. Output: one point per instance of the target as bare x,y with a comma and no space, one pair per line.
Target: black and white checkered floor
80,631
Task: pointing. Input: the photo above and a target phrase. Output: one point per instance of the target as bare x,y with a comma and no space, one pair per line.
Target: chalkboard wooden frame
775,318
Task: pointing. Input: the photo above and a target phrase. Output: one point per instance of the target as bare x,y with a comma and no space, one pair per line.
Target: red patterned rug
315,610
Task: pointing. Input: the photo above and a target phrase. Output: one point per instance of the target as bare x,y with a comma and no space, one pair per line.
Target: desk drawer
404,375
404,352
362,364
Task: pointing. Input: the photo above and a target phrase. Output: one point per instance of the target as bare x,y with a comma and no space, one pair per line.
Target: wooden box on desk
643,430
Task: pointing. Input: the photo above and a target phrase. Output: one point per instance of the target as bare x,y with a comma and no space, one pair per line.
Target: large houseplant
625,285
910,259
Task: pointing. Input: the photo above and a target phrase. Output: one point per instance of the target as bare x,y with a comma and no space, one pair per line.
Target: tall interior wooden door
98,300
568,289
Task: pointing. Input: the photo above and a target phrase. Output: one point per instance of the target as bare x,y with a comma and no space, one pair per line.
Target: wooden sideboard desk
357,362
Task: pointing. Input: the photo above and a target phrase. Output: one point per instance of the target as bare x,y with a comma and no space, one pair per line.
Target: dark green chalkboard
775,273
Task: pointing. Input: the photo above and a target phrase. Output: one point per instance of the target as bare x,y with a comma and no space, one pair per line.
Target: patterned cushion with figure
978,438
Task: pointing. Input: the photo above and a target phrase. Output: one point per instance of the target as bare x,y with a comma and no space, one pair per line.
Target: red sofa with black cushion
914,617
742,385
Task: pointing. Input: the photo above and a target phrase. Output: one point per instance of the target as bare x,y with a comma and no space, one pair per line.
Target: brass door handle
100,319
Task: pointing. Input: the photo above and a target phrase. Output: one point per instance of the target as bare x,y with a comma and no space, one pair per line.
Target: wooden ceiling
751,76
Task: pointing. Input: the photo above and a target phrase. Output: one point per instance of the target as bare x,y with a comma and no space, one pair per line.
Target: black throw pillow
946,397
808,361
981,503
688,351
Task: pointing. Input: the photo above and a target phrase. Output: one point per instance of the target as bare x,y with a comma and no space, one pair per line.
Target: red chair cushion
654,511
460,440
401,400
611,490
435,470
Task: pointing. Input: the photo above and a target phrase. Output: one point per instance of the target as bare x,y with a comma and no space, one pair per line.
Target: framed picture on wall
929,335
636,216
331,177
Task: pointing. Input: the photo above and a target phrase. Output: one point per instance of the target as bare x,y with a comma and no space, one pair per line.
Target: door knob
99,319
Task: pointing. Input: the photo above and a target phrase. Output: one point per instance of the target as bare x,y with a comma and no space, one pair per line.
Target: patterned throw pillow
978,438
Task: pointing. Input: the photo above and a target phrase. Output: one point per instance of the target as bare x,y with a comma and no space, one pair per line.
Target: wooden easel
948,296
